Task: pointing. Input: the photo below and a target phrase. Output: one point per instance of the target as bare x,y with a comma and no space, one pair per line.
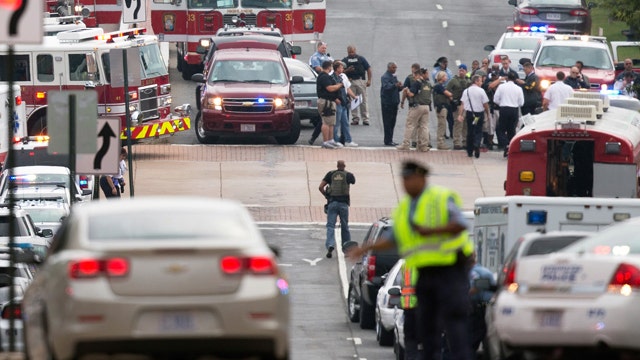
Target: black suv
366,276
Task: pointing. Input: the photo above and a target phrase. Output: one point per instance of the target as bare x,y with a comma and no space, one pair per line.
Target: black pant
411,336
450,110
106,188
474,132
443,305
507,122
389,114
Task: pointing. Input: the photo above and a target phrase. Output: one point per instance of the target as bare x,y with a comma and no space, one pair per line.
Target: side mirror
198,78
394,291
513,2
489,47
296,50
45,233
297,79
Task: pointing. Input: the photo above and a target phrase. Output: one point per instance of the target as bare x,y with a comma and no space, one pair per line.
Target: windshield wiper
226,80
259,81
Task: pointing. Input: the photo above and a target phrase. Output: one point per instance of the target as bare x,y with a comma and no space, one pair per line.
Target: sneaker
351,144
336,144
366,122
402,148
354,123
328,145
330,252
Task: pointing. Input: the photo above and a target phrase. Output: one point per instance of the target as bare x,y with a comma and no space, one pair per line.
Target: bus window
45,68
21,69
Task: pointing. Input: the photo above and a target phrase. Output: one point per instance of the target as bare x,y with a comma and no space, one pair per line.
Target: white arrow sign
105,159
17,25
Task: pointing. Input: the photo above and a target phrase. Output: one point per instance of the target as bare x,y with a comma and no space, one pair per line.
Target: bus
187,22
585,148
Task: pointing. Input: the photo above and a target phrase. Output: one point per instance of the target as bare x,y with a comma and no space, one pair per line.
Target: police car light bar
130,34
81,34
533,28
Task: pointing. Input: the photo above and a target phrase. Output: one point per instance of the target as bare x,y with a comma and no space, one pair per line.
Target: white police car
517,43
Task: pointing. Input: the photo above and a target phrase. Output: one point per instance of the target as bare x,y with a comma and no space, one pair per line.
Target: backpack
339,185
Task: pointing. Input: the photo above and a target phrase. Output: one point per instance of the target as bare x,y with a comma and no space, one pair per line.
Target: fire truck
79,59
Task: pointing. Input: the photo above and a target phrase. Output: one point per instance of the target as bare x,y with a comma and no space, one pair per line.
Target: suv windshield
566,56
261,71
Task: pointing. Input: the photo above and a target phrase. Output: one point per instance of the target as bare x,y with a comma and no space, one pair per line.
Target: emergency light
536,217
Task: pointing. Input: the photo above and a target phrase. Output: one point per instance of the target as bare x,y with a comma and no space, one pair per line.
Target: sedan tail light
371,267
579,12
92,268
528,11
12,311
625,279
255,265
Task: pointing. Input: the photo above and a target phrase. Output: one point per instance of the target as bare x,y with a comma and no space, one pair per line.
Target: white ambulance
12,111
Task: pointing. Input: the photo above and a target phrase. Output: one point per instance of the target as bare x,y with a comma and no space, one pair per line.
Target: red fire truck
187,22
60,63
577,150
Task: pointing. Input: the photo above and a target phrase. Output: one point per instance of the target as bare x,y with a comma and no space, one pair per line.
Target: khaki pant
459,132
327,120
418,122
359,87
442,127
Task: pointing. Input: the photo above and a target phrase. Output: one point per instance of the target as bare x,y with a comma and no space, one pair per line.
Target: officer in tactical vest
335,187
430,233
419,95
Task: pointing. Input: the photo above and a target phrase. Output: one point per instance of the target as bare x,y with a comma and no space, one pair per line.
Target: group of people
440,295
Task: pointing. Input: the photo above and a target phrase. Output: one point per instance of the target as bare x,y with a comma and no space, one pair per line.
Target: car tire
353,308
367,315
384,336
186,71
294,133
200,134
179,62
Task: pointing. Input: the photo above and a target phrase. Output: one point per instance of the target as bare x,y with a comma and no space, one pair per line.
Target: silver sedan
158,276
305,93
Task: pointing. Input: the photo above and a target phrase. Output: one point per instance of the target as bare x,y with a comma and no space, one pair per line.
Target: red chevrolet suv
247,93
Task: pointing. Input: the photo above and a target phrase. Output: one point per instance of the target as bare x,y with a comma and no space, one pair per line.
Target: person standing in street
531,90
473,109
122,169
389,100
557,93
328,98
510,98
359,72
456,86
319,57
409,305
419,95
442,100
341,130
335,187
430,233
575,79
480,297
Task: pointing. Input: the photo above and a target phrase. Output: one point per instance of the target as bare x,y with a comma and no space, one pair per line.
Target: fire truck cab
79,59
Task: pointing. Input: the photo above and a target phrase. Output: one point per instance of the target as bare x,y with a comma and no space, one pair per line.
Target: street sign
17,25
105,160
117,66
134,11
58,113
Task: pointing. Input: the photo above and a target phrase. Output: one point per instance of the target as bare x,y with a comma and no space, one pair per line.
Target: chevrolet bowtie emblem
176,268
247,103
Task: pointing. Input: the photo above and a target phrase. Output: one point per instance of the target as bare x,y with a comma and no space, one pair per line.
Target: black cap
414,168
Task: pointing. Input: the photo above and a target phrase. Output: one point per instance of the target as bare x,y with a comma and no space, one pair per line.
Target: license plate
301,103
553,16
248,127
177,322
550,319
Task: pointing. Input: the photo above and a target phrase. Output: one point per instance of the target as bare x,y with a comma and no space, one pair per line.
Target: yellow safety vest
431,211
408,293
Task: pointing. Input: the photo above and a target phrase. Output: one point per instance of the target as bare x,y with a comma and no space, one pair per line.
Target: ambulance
14,115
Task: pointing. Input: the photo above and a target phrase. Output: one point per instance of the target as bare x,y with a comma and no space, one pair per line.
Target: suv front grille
250,19
148,97
248,105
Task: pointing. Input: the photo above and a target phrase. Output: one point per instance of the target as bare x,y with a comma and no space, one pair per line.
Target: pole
128,120
72,147
9,161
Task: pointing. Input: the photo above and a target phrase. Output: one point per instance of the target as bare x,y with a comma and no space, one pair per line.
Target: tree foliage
623,10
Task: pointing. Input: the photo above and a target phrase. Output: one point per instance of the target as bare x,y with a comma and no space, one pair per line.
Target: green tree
624,10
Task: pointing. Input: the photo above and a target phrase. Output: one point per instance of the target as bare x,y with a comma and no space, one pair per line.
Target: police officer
430,232
419,95
531,88
359,71
456,86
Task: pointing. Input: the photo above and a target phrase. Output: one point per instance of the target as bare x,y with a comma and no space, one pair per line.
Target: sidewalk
280,183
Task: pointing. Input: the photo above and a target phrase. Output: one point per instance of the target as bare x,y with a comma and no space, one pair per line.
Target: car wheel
186,71
367,315
294,133
179,62
384,336
200,133
353,308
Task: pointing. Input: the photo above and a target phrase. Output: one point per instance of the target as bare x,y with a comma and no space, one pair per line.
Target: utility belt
416,105
357,78
475,113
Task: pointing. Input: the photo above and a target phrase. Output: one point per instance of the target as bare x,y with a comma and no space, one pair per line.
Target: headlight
281,103
132,108
214,103
165,89
544,84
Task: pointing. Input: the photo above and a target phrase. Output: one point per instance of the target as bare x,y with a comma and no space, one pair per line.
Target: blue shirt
480,272
435,72
318,58
389,92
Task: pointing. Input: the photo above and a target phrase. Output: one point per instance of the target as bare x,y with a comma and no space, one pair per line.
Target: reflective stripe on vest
409,299
431,211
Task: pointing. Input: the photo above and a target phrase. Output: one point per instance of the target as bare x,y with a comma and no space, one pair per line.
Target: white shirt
509,95
557,94
474,97
345,81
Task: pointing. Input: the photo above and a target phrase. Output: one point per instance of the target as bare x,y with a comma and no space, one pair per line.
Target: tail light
255,265
371,267
84,182
92,268
509,271
18,100
528,11
579,12
625,279
497,58
12,311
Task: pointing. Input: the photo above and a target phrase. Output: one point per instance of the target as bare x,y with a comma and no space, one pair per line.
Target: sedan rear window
618,240
550,244
520,43
168,226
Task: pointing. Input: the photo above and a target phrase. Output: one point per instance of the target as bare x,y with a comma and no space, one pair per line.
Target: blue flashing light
23,245
261,100
610,92
83,182
536,217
